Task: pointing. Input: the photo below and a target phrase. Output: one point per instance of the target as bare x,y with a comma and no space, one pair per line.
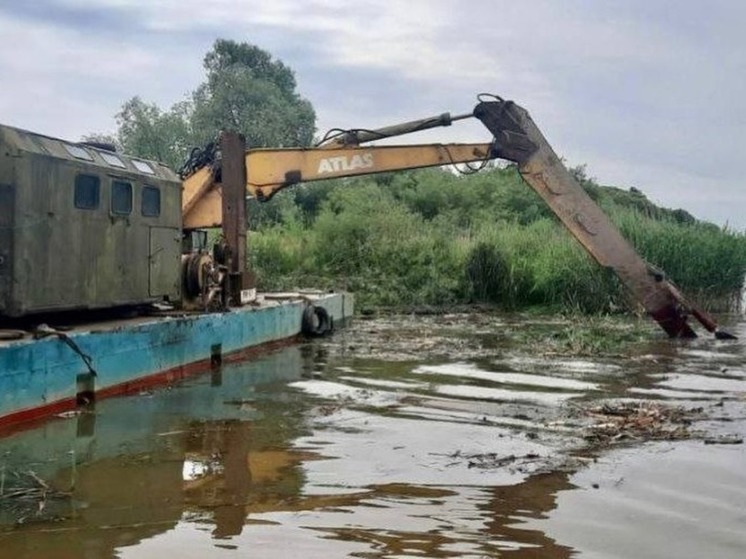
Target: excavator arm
541,168
270,170
516,138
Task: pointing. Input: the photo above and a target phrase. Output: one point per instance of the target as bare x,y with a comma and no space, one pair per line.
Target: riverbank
435,238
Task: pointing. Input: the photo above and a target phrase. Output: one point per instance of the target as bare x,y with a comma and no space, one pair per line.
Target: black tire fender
316,321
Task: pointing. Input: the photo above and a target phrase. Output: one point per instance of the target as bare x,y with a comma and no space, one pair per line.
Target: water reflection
320,455
135,466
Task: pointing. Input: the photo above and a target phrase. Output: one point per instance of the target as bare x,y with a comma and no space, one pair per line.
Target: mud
463,435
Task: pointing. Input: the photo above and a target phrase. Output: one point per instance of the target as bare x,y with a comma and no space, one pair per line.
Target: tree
228,54
147,131
245,90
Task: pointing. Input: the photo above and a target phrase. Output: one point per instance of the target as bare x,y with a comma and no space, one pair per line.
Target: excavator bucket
519,140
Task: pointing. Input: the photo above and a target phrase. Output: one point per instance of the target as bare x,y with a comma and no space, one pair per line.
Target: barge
44,376
90,233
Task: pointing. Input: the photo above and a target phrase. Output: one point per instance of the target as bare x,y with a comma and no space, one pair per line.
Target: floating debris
639,421
25,497
491,460
725,439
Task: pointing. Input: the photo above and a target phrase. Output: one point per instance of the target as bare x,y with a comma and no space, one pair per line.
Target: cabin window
112,160
87,192
151,201
78,152
143,167
121,197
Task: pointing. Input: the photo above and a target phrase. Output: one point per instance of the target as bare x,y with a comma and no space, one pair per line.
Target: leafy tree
229,54
147,131
245,90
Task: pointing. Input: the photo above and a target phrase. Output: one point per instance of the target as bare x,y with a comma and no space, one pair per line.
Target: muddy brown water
447,436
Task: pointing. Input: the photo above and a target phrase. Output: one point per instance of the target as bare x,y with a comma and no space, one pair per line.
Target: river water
449,436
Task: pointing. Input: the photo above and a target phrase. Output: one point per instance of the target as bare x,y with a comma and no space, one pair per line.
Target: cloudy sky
647,93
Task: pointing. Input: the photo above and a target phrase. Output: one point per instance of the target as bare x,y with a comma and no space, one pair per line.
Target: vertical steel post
233,180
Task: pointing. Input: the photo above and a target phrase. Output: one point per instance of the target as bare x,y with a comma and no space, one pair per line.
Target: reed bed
434,238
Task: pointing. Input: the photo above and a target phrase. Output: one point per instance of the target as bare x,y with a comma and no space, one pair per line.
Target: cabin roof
107,160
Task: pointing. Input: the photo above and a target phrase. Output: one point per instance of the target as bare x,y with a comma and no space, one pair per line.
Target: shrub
431,237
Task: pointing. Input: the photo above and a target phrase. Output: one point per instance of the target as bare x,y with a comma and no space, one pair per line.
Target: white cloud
58,77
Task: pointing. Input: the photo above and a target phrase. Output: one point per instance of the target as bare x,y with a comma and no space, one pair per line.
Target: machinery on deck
83,227
216,182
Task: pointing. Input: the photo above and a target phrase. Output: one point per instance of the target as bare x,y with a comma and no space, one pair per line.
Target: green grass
434,238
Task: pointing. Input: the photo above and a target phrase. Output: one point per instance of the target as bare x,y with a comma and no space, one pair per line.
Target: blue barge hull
46,376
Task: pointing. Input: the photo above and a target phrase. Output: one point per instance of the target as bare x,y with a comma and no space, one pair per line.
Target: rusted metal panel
164,258
7,206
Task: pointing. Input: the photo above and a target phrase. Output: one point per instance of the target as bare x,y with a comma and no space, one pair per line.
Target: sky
646,93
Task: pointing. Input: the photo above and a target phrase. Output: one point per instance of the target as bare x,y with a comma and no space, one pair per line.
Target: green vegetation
431,238
426,237
245,90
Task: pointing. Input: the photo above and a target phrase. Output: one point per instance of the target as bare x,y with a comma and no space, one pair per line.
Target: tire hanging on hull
316,321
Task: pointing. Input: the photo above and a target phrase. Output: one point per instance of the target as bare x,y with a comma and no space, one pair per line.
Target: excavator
217,179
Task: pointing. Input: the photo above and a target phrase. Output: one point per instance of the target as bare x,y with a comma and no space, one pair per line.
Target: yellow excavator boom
273,169
516,138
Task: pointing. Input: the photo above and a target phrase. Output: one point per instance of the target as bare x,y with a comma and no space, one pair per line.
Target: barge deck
63,370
